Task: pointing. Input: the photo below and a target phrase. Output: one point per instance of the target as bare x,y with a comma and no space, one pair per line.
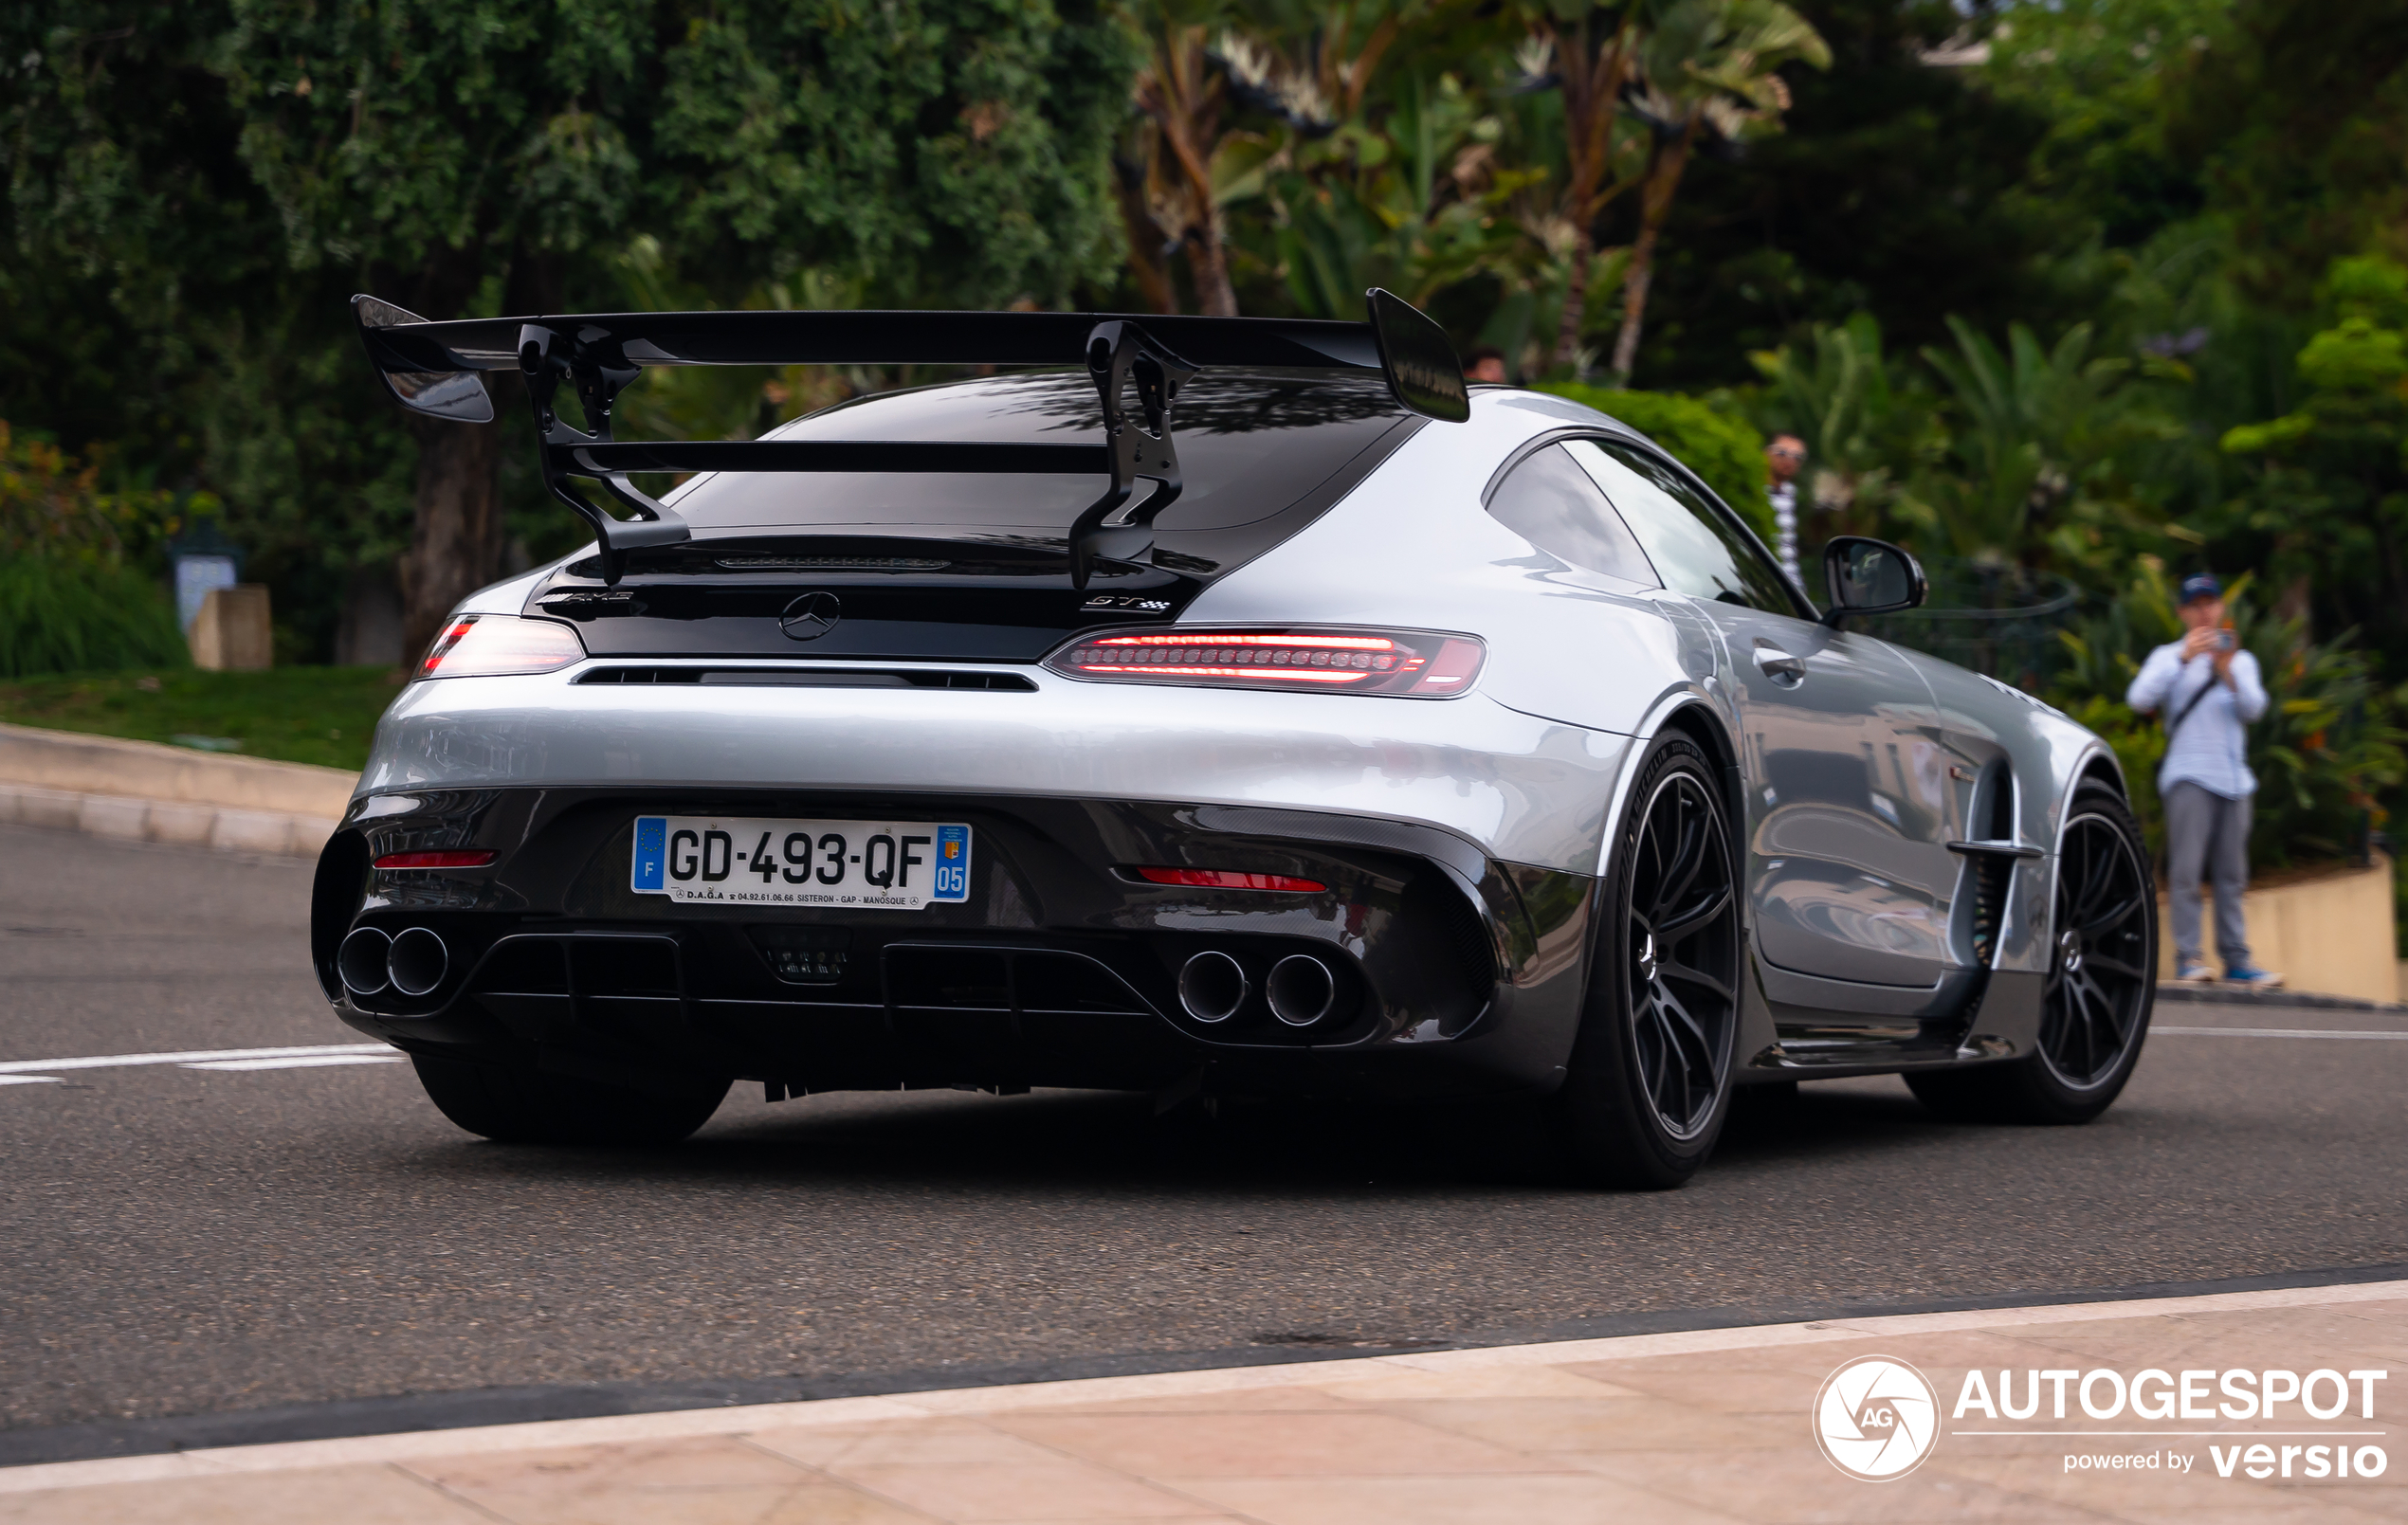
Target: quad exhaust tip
363,959
371,961
1212,987
417,962
1301,991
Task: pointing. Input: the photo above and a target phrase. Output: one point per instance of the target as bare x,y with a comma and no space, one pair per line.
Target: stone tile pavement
1712,1426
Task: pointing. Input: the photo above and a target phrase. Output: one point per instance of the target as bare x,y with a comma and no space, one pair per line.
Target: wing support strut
432,368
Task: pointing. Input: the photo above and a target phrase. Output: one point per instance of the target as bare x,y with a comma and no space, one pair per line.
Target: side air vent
1995,810
814,678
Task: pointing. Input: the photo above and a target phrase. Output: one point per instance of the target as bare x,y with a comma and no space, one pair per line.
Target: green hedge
67,614
1725,452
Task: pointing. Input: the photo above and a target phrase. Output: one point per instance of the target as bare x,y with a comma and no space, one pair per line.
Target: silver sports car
1200,706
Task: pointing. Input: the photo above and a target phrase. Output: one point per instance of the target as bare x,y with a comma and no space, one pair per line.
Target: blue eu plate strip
651,852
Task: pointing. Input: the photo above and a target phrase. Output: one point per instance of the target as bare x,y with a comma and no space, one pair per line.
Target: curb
2213,995
143,791
131,818
83,764
332,1421
497,1430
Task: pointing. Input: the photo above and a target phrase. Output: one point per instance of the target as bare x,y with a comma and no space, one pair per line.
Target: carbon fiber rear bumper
1455,974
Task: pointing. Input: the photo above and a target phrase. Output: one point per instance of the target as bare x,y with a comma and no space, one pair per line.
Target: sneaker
2194,975
2257,979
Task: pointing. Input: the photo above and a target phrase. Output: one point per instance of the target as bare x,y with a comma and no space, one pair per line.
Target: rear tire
1650,1072
2102,983
529,1106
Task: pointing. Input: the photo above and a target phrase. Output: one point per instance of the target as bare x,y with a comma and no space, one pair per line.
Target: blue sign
952,864
651,852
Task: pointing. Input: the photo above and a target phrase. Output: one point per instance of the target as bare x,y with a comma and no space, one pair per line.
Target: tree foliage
2064,288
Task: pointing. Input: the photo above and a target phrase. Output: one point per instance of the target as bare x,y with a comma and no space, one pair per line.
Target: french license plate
863,865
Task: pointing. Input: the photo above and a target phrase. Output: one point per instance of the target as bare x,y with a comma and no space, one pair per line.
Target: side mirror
1868,576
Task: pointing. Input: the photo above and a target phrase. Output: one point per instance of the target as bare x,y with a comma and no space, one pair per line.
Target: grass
309,715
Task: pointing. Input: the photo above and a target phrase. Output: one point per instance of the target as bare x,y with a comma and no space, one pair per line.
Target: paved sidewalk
1715,1426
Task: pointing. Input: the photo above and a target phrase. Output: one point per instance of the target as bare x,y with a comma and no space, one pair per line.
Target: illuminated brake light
1401,664
1229,879
448,858
452,635
497,645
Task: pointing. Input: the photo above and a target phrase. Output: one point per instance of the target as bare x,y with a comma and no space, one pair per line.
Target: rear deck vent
814,678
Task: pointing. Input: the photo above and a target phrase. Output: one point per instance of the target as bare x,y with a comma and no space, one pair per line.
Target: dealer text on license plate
869,865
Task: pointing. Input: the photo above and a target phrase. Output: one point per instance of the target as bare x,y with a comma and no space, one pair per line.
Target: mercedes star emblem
811,616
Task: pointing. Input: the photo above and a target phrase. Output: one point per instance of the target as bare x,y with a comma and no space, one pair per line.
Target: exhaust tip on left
362,961
1213,986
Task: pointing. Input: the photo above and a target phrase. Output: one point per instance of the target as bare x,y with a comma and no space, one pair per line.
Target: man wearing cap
2209,692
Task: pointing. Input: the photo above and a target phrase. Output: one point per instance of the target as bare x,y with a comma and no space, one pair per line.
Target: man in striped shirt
1784,459
2208,690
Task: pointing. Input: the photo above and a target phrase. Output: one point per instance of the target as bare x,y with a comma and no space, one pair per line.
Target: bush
69,599
1725,452
63,615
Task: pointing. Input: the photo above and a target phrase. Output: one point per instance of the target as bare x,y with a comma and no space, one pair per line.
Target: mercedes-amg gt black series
1204,707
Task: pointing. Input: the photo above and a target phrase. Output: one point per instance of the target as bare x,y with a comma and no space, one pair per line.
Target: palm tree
1589,53
1168,196
1708,69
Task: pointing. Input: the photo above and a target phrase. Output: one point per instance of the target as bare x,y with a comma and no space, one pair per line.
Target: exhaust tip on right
1301,991
363,961
417,962
1212,987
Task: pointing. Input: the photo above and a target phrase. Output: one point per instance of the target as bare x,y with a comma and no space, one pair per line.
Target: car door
1848,872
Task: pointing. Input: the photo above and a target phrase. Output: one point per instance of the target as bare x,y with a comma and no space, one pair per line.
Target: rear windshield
1249,447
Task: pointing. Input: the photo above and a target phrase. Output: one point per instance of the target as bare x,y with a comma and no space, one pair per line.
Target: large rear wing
432,368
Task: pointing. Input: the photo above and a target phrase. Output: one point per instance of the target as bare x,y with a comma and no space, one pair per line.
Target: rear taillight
1400,664
444,857
494,646
1229,879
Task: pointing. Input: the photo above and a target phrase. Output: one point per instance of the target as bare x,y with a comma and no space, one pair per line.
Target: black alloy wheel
2099,971
2102,982
1650,1078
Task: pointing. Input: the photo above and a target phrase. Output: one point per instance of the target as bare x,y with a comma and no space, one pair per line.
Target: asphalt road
184,1242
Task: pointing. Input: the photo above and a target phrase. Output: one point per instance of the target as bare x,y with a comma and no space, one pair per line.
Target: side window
1557,507
1692,542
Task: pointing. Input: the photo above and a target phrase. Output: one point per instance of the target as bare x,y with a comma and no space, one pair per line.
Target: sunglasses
1786,453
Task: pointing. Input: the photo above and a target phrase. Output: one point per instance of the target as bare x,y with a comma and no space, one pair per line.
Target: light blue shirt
2210,747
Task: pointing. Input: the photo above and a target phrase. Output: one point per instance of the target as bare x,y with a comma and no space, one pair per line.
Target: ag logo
1876,1418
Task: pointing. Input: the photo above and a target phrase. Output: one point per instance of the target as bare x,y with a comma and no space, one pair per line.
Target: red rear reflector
448,858
1228,878
1416,664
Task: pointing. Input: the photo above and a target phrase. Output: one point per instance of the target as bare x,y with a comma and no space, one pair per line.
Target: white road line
102,1062
2275,1032
29,1079
306,1062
